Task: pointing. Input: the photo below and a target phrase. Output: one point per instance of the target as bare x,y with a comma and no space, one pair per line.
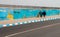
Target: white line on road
32,30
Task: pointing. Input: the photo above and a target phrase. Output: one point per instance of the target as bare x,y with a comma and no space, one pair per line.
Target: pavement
8,23
45,32
49,28
26,19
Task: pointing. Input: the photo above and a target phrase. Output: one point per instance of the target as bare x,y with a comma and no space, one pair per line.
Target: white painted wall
48,3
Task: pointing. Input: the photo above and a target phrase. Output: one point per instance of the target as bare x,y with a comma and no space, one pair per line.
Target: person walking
44,13
40,13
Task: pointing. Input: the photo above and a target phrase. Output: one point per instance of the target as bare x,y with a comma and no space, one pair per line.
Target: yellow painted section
10,16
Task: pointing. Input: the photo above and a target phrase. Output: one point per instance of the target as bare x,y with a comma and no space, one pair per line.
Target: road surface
39,29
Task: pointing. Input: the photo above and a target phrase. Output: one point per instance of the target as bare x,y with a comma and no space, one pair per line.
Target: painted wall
47,3
9,14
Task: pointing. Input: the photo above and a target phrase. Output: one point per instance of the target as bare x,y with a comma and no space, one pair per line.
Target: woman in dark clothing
44,13
40,14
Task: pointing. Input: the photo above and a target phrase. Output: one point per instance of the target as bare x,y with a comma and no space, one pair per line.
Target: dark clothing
44,13
40,13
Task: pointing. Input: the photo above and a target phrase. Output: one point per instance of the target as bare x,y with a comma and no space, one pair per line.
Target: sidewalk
27,20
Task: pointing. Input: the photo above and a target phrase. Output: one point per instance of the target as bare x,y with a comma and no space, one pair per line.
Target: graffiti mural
11,14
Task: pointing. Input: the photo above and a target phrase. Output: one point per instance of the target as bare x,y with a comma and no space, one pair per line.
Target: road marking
33,21
21,23
10,24
16,23
4,25
32,30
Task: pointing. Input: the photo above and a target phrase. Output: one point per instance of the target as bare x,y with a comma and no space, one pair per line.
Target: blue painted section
52,12
25,13
3,14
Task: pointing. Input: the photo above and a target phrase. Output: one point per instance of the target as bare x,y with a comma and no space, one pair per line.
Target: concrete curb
31,21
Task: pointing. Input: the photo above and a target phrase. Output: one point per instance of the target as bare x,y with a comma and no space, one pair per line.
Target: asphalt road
53,31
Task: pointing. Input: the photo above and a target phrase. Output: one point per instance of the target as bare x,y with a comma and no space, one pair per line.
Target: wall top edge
23,6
